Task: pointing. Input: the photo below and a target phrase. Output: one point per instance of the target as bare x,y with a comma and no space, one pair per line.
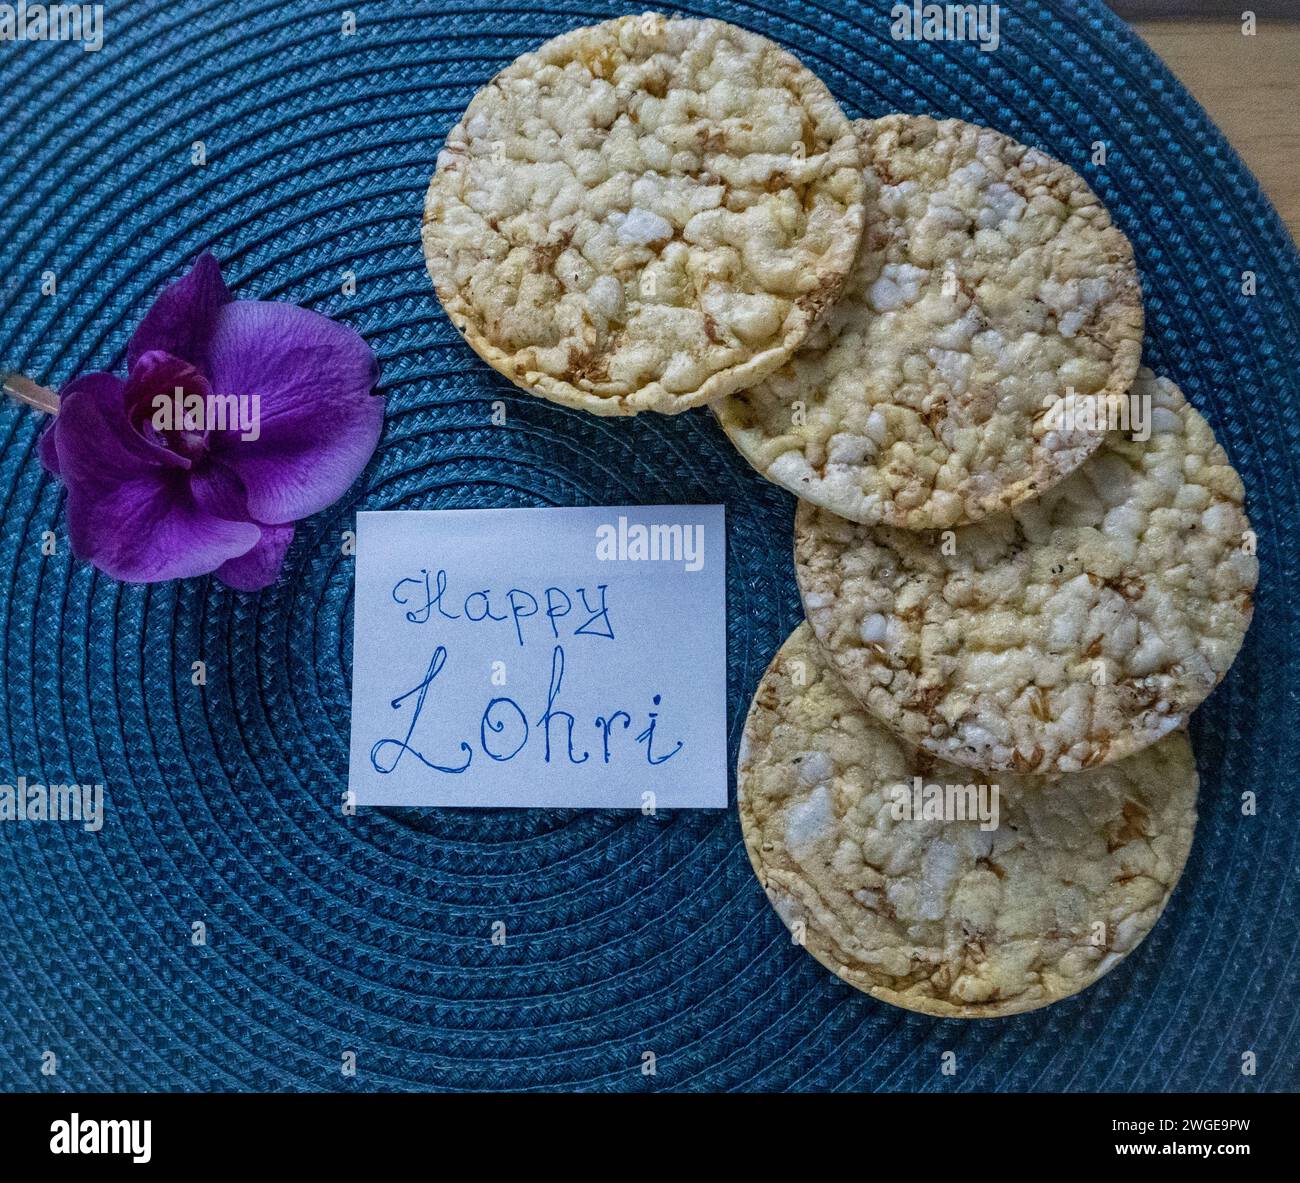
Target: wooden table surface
1251,88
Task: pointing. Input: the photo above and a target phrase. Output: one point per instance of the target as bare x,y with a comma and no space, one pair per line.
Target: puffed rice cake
1068,632
991,287
948,917
644,214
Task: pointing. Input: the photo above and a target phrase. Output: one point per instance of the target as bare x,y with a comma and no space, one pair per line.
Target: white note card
541,658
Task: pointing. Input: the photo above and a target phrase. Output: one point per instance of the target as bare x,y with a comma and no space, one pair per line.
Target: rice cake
1069,632
940,916
644,214
991,286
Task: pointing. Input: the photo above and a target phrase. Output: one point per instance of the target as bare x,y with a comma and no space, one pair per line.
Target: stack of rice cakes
1024,561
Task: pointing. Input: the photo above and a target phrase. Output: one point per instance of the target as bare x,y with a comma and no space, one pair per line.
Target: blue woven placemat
625,935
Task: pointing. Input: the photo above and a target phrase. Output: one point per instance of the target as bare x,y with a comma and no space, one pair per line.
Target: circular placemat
625,935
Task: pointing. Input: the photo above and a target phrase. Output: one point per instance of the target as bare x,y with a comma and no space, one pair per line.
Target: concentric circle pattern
372,934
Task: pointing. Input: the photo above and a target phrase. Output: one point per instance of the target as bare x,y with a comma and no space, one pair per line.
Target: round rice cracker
645,214
1069,632
942,916
990,284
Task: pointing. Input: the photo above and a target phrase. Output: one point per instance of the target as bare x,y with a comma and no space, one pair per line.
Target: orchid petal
95,385
318,423
93,432
150,528
130,510
181,318
218,491
47,450
260,567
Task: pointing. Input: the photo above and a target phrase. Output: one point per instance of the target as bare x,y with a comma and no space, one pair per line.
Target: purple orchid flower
157,493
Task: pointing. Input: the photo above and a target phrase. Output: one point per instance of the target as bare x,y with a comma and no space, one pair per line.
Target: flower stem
22,388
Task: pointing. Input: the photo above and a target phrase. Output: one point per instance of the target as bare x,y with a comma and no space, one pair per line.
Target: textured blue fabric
329,933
